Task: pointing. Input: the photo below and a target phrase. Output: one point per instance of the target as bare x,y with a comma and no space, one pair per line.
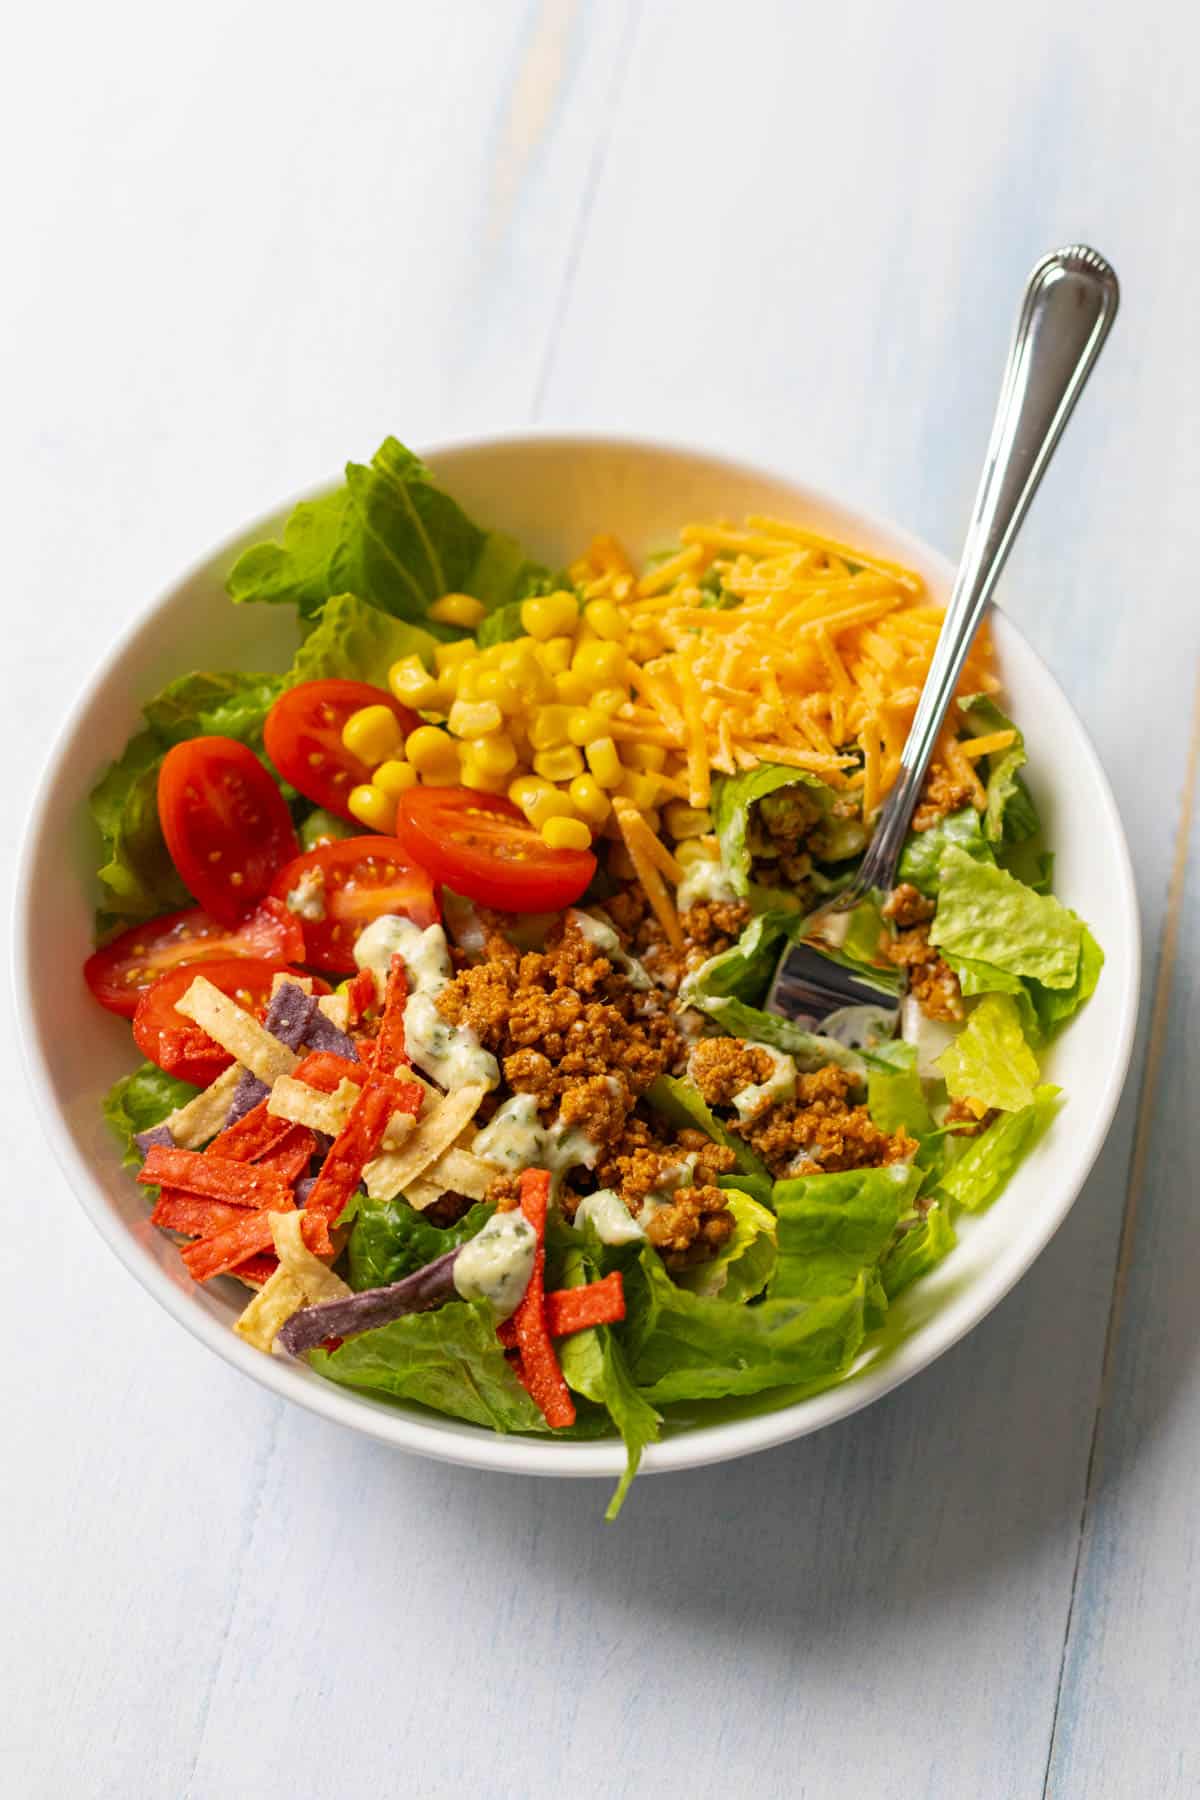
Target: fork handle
1070,303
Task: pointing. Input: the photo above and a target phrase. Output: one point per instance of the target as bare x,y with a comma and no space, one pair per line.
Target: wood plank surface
248,241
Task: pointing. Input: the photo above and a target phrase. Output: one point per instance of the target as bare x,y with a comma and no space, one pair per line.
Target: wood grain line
591,187
1155,1045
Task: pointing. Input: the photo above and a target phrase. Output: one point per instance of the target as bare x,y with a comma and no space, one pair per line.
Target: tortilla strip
305,1105
303,982
192,1124
228,1025
301,1279
336,1008
440,1123
455,1170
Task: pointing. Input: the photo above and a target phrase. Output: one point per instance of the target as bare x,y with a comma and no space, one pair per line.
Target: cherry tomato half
122,971
303,738
176,1043
226,823
360,879
483,847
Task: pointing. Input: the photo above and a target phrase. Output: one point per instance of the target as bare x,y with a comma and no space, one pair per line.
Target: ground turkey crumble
941,793
821,1130
709,927
931,980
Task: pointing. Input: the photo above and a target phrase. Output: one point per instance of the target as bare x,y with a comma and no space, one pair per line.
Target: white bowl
554,492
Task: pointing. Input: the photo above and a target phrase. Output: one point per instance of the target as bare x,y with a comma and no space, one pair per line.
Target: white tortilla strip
456,1171
336,1008
300,1280
305,1105
440,1123
303,982
228,1025
200,1119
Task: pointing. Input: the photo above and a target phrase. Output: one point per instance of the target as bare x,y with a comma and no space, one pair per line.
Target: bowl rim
457,1441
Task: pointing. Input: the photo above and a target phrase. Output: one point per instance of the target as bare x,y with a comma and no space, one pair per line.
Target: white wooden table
243,242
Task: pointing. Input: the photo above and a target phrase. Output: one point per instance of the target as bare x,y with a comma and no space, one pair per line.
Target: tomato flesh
485,848
351,883
176,1043
226,823
121,972
303,738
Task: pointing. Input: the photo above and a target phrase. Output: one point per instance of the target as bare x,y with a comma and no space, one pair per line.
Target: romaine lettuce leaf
746,1263
390,1238
989,1060
682,1105
1010,816
681,1347
986,915
734,798
896,1097
921,858
979,1173
1054,1006
918,1250
320,826
593,1364
354,641
141,1100
834,1228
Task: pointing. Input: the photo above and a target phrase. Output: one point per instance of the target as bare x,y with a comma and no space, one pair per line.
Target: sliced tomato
226,823
176,1043
483,847
361,878
303,738
122,971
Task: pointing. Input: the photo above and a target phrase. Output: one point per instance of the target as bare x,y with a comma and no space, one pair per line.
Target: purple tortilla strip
157,1134
288,1018
323,1034
419,1292
304,1188
246,1096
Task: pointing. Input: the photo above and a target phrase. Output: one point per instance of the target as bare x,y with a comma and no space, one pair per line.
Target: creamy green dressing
609,1216
449,1054
496,1264
516,1139
779,1085
704,881
603,937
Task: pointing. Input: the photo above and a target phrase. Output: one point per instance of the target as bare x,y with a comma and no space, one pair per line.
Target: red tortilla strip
358,1141
575,1309
192,1217
390,1049
257,1269
254,1136
292,1154
250,1237
537,1365
215,1178
361,997
324,1069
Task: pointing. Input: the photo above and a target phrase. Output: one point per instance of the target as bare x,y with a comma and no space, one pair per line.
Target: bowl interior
554,493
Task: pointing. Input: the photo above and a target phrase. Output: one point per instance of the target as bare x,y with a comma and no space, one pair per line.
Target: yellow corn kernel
452,656
684,821
548,726
640,788
484,781
522,787
566,834
474,718
696,850
550,615
495,754
609,700
585,723
458,609
526,673
643,645
394,777
547,803
555,654
650,757
413,685
603,761
589,798
494,684
433,755
601,664
562,763
372,807
372,734
606,620
572,689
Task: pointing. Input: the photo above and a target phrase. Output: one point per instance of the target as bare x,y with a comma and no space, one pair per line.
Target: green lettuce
917,1250
979,1173
354,641
986,915
390,1238
833,1229
896,1095
392,537
320,826
682,1347
745,1265
593,1364
1010,815
921,858
1054,1006
989,1060
681,1103
141,1100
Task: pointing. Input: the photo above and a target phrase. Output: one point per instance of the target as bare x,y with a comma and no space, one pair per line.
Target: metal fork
1070,303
